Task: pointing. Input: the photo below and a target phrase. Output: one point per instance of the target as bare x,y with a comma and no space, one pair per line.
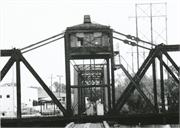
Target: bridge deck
121,119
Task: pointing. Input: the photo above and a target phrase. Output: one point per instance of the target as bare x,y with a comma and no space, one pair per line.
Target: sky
23,23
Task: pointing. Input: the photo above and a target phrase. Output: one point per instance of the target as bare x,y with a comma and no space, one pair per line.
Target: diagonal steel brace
138,88
135,77
126,94
7,67
169,70
43,85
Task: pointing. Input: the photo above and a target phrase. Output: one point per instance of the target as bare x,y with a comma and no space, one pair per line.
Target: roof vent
87,19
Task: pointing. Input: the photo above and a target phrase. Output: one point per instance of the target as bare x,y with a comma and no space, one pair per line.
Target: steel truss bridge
95,80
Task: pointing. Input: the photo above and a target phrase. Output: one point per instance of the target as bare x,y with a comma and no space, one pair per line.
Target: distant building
31,97
42,94
8,98
46,100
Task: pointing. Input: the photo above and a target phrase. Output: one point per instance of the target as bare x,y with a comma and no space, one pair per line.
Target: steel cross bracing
90,72
91,77
17,57
154,53
164,48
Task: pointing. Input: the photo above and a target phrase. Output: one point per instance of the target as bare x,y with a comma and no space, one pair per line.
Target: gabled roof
88,25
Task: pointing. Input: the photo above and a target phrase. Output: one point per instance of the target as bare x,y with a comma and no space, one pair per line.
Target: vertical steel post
68,82
162,84
108,82
155,84
18,81
79,95
109,97
54,108
112,70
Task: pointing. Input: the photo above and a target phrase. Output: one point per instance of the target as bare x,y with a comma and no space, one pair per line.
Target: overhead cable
42,44
42,41
131,43
134,38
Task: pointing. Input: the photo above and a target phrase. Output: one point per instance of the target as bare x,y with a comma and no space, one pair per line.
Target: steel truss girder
16,56
170,72
138,88
171,48
6,68
91,82
91,90
171,60
92,72
56,101
93,77
89,67
157,52
130,88
8,52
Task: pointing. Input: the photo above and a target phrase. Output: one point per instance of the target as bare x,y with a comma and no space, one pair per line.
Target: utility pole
51,80
137,41
60,87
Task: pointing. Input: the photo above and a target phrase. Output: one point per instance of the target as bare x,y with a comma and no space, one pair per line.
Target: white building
43,96
8,98
48,106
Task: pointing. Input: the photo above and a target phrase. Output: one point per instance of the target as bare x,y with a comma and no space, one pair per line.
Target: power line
150,11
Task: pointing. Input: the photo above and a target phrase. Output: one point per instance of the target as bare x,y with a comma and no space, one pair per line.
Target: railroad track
88,125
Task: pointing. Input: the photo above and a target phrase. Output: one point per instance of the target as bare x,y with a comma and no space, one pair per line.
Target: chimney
87,19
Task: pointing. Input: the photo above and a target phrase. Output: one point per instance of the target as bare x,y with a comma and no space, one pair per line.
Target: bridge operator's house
91,45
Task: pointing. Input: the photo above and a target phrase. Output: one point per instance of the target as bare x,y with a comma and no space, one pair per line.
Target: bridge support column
108,82
155,84
112,71
162,84
18,81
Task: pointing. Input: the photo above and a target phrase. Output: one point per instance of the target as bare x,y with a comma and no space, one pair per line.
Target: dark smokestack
87,19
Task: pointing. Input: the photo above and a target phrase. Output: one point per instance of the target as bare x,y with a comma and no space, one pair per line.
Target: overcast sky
27,22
